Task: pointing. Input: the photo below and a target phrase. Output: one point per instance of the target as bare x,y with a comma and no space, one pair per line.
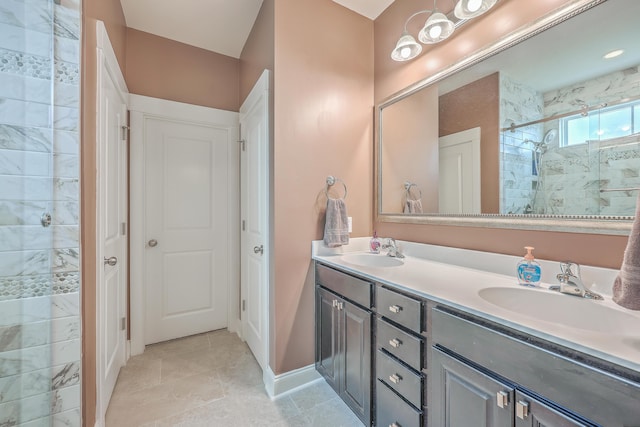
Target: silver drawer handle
395,343
395,308
152,243
502,399
110,261
395,378
522,410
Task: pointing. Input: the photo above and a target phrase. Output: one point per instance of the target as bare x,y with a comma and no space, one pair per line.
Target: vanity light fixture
467,9
437,27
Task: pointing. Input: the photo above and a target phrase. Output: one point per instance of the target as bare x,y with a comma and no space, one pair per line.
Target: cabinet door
464,396
531,412
328,337
356,350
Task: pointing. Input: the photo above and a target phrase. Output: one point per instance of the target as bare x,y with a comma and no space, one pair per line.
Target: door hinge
244,225
123,323
243,144
124,130
244,305
123,228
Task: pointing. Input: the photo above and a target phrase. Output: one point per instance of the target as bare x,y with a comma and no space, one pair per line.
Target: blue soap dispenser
529,271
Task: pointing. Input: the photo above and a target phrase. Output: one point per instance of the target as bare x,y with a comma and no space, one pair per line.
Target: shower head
543,146
550,136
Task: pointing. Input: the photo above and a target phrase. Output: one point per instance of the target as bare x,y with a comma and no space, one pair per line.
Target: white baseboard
278,385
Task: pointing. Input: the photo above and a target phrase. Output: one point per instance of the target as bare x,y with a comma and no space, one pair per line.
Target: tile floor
211,380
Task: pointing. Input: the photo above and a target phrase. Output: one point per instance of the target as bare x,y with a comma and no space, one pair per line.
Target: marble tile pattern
39,172
570,178
212,379
518,104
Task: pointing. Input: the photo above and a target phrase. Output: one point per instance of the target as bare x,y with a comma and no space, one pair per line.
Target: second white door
186,221
254,257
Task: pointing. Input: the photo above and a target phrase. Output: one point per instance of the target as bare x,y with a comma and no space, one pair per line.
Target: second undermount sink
371,260
570,311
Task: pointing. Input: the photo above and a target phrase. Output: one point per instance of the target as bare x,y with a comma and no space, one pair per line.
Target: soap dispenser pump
529,270
374,244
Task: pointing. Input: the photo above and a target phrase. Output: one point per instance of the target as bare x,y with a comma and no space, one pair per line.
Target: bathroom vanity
424,342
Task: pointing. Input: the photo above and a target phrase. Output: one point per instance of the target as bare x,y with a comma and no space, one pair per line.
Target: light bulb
474,5
435,31
405,52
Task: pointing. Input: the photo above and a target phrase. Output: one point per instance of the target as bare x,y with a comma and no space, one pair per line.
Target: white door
254,128
459,165
112,216
186,222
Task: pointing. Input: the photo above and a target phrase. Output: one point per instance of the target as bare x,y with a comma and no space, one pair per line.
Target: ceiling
221,26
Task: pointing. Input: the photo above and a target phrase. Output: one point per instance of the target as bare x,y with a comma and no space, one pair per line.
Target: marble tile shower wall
574,176
518,104
39,172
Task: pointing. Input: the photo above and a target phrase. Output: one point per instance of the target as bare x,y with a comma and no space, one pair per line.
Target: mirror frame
590,224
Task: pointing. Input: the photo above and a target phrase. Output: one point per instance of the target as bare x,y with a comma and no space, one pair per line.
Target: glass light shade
467,9
407,48
436,29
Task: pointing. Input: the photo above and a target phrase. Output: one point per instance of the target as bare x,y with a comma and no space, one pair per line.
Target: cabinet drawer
400,378
352,288
399,308
402,345
392,411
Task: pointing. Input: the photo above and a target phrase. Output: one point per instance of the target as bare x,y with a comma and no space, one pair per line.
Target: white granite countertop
455,277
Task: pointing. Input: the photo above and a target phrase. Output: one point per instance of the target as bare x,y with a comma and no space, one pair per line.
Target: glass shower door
39,221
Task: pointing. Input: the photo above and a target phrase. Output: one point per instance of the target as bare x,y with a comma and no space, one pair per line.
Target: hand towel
336,226
626,287
413,206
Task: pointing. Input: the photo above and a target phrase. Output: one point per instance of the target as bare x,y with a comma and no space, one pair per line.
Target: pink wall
390,77
323,126
410,151
258,52
167,69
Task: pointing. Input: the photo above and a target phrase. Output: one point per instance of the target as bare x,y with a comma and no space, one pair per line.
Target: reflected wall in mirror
558,127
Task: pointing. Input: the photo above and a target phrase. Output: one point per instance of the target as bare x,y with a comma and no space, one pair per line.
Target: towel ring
407,186
331,181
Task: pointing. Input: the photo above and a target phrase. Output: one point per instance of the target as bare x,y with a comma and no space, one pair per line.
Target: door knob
110,261
153,243
258,249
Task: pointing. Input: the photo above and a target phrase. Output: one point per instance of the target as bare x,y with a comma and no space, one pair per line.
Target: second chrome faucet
571,283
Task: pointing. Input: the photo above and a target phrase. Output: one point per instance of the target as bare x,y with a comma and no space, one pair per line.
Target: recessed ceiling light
613,54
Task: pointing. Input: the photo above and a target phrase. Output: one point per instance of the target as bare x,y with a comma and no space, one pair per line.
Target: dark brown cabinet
400,359
464,396
343,341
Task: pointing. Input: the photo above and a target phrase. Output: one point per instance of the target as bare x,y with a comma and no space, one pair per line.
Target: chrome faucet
392,248
571,283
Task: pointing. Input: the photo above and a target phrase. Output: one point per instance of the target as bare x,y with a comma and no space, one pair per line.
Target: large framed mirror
540,131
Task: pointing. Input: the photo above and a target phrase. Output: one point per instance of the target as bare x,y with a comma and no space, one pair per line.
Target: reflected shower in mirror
547,127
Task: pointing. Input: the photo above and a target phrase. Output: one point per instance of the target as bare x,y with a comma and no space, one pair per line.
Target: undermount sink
372,260
567,310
